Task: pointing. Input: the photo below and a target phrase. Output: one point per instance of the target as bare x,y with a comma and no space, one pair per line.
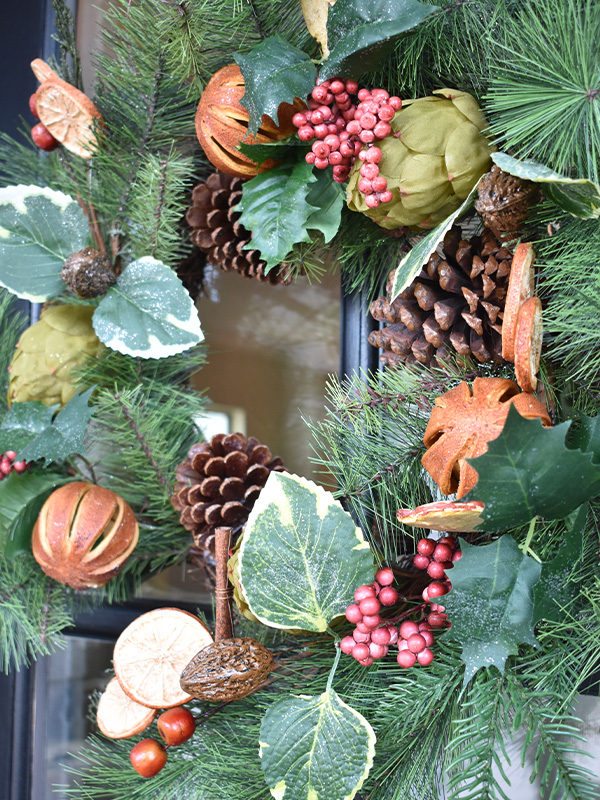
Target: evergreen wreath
523,596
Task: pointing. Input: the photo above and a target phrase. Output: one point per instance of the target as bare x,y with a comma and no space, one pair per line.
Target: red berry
353,613
320,149
379,94
388,596
317,117
306,133
363,94
436,589
420,561
450,541
362,592
332,141
426,546
369,606
373,155
386,112
321,131
442,553
408,628
354,127
351,87
386,197
10,454
437,620
363,638
322,163
5,467
425,657
360,651
33,105
346,149
176,725
337,86
428,636
382,129
319,93
426,595
360,626
406,659
379,182
377,650
371,621
366,136
456,555
20,466
326,112
368,121
372,201
366,662
381,636
385,576
347,645
336,158
416,643
365,186
310,158
148,757
299,119
436,571
393,633
395,103
43,138
369,171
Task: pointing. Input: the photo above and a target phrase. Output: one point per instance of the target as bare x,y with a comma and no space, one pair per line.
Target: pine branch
66,38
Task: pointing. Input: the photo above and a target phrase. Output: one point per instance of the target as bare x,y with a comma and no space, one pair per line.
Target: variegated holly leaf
315,748
274,72
301,556
148,313
39,228
412,263
361,35
22,423
577,196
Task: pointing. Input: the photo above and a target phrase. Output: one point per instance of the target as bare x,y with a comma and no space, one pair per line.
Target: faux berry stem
224,620
525,547
409,613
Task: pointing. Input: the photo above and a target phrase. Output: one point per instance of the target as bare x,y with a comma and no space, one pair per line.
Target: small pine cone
218,484
455,303
504,201
88,273
217,232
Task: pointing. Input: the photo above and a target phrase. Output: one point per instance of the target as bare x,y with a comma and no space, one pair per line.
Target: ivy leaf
412,263
22,423
577,196
21,499
301,556
491,603
148,313
65,435
361,35
315,748
529,471
275,209
274,72
326,197
39,228
554,591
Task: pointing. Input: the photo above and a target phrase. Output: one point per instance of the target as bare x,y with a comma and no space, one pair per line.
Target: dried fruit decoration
463,422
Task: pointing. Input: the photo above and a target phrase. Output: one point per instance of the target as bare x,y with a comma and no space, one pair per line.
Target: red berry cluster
342,128
39,133
176,726
371,640
414,644
8,464
436,557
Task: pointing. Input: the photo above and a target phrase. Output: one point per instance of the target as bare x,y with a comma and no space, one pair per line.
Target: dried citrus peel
444,515
520,288
528,344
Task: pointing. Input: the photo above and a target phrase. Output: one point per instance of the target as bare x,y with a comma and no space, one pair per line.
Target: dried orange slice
119,716
67,113
520,287
151,653
445,515
528,344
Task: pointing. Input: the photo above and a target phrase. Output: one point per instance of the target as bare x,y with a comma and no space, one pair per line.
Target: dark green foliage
12,323
70,62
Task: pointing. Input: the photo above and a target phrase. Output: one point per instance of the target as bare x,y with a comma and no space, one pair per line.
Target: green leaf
274,72
327,198
529,471
315,748
361,35
260,152
578,197
412,263
555,590
22,423
148,313
301,556
275,209
491,603
21,498
65,435
39,228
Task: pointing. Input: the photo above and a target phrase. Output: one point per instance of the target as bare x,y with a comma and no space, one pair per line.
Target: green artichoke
47,353
433,158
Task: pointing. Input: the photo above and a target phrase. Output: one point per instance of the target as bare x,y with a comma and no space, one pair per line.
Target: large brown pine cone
218,484
456,302
218,233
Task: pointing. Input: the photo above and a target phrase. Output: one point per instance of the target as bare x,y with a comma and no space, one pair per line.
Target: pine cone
88,273
218,233
456,302
504,201
218,484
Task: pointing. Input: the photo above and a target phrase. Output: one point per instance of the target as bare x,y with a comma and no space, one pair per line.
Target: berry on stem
43,138
176,725
148,757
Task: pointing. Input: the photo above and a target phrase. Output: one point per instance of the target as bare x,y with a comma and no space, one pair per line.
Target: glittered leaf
491,603
65,435
327,199
412,263
279,149
315,15
274,72
555,589
528,471
301,556
315,748
361,35
22,423
577,196
275,210
148,313
39,228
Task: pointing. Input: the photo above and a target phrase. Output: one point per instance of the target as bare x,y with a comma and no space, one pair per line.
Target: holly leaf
39,228
412,263
315,748
326,197
21,499
579,197
64,436
22,423
529,471
361,35
301,556
491,603
274,72
262,151
148,313
275,209
555,589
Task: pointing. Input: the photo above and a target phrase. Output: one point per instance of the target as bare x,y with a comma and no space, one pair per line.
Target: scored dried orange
118,716
151,653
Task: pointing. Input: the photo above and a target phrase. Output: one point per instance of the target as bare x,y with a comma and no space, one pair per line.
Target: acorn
88,273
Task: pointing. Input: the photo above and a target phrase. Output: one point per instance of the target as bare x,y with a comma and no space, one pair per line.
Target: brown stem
87,208
132,424
224,620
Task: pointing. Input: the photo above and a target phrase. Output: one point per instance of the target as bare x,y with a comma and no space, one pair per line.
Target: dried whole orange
463,422
222,123
118,716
